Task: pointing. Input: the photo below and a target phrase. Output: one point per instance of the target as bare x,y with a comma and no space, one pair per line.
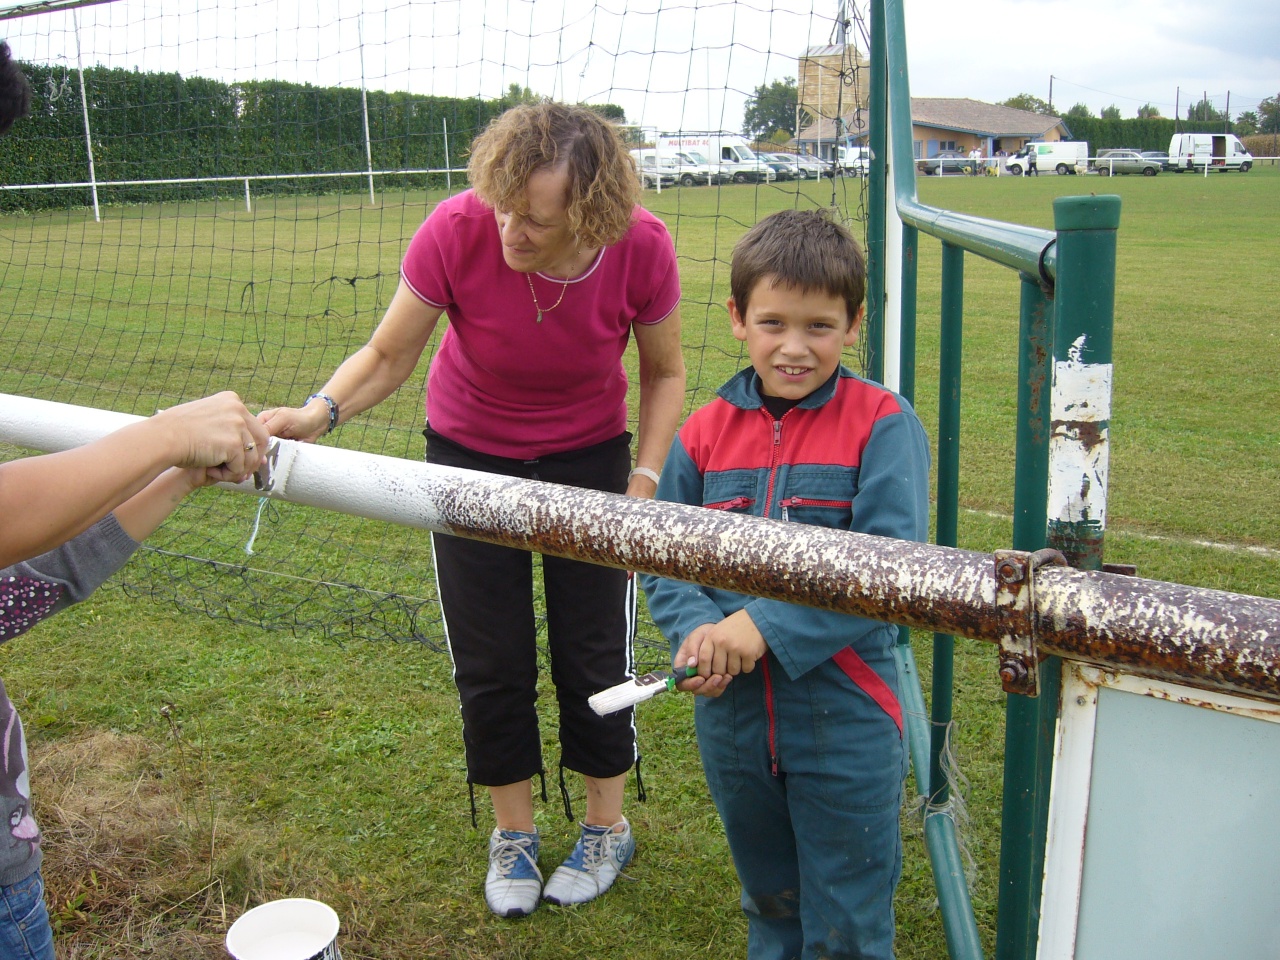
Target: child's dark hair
803,249
15,90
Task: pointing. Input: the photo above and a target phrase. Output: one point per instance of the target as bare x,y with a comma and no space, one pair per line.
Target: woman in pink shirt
546,268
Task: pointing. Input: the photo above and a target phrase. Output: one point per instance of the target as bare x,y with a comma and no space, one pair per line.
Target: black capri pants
486,595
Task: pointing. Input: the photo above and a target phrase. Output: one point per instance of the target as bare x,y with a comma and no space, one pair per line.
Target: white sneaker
513,884
597,860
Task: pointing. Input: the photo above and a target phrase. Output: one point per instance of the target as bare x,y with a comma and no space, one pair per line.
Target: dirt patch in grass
127,870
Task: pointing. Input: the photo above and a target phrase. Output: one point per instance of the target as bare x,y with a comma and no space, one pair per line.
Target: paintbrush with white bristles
638,690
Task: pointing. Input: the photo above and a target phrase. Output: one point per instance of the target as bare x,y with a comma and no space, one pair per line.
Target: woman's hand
307,423
215,434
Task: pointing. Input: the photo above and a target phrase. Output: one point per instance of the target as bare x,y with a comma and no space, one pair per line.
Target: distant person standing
975,161
1031,162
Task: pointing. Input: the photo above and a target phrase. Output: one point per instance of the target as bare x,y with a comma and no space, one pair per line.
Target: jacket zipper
737,503
769,705
810,502
773,719
774,459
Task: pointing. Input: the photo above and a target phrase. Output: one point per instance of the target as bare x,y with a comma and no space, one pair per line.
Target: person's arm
47,500
141,514
662,383
369,375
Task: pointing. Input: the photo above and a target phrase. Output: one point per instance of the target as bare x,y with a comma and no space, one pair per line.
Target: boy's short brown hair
603,184
804,249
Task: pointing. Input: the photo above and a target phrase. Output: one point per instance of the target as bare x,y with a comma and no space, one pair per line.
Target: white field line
1266,553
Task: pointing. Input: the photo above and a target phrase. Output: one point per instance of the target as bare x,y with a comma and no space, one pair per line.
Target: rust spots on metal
1205,638
1087,433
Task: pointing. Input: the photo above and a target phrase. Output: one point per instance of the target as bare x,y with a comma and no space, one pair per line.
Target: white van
854,161
729,155
687,168
1061,156
1217,151
655,173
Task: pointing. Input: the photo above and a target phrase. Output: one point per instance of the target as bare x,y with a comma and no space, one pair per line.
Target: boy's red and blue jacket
852,455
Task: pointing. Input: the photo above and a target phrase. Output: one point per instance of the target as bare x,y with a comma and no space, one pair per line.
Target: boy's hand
703,685
733,645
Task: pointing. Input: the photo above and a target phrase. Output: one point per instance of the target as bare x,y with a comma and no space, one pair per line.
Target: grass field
188,767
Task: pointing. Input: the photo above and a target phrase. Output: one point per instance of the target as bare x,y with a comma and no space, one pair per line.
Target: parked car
654,174
815,166
1110,162
781,169
696,169
1165,162
792,163
946,161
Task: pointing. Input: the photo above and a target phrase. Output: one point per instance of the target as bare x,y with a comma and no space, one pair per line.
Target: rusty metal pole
1205,638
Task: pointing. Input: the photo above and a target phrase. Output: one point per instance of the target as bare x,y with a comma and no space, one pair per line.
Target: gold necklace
537,306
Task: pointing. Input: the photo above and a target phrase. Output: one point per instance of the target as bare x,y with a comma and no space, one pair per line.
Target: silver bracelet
329,402
644,472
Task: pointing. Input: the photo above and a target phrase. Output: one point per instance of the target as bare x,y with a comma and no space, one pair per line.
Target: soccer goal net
216,194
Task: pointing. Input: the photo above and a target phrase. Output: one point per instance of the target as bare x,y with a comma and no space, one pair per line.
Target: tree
1246,124
610,111
1204,112
771,108
1269,115
1111,113
1147,111
517,94
1079,111
1025,101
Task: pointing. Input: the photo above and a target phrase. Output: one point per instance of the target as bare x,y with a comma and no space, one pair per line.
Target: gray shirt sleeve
72,571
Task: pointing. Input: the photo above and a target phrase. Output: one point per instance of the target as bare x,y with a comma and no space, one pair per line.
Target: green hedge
1140,133
156,126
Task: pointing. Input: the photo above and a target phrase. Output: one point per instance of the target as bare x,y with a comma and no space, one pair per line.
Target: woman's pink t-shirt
503,384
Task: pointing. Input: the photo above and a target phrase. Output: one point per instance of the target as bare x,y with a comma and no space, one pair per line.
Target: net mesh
214,196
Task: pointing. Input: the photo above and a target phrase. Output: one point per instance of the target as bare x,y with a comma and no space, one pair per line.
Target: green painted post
1081,408
1078,419
948,497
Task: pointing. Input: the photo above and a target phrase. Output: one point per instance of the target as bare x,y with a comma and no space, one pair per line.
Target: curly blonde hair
603,185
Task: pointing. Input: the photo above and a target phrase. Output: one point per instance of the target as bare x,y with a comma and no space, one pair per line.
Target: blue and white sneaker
597,860
513,884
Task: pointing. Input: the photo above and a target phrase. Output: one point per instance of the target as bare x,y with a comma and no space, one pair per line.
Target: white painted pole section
892,277
1069,810
364,109
448,165
84,109
248,204
1079,463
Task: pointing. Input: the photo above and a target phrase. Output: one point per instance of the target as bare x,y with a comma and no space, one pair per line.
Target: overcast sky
1121,52
687,64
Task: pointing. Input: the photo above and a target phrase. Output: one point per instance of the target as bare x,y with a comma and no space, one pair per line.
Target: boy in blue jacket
805,756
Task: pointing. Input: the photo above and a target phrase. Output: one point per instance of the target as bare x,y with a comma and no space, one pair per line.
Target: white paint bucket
294,929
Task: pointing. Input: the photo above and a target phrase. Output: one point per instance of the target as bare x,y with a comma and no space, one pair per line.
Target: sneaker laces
595,850
507,852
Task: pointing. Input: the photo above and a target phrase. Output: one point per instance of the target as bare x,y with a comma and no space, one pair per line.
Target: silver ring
249,446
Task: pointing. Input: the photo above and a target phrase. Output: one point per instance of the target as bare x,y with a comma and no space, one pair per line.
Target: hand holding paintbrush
638,690
730,647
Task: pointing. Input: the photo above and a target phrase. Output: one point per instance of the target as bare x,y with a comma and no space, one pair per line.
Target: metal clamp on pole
1015,595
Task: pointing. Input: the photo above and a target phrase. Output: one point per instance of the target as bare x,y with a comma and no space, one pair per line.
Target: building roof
960,114
974,116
